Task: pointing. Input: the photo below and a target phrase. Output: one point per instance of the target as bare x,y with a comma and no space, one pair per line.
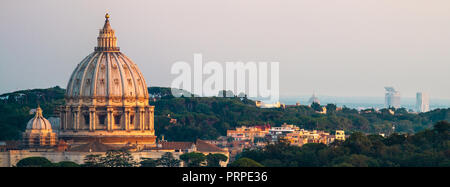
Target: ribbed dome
39,122
104,74
107,72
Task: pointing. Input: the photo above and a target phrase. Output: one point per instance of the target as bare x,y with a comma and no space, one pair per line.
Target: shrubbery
44,162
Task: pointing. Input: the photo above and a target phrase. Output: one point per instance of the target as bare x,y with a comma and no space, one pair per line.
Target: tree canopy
34,162
168,160
193,159
44,162
213,160
113,158
66,164
245,162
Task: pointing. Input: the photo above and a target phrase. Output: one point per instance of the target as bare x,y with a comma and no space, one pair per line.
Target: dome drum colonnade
107,98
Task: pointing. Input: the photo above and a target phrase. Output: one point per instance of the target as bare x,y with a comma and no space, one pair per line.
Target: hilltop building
340,135
245,133
261,104
296,136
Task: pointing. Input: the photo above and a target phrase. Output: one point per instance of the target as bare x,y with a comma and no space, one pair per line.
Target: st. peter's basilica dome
107,98
106,73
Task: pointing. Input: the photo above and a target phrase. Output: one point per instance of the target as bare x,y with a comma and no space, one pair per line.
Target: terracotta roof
263,127
203,146
94,146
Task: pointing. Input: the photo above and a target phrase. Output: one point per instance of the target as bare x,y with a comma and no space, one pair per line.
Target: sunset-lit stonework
38,132
106,109
107,98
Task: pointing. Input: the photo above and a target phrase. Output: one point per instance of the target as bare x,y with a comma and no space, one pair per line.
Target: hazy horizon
336,48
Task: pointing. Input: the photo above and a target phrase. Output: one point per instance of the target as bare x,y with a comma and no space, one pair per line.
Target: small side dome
39,122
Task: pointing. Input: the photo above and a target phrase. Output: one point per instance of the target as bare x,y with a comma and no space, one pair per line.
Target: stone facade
10,158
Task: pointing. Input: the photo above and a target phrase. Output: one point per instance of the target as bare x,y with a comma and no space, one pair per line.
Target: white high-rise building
422,102
392,98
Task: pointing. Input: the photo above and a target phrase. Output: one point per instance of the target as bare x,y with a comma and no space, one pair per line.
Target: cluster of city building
260,135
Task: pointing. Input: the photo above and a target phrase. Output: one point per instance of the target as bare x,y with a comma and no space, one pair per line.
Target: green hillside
208,118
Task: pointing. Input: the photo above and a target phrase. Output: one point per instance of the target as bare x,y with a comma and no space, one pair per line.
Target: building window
131,119
101,119
86,119
117,119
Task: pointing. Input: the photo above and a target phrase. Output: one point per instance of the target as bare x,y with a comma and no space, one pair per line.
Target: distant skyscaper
392,97
422,102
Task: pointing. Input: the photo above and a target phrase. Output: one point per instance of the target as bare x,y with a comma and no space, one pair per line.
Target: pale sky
335,47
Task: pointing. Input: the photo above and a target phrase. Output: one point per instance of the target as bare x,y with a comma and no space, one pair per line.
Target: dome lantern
107,40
